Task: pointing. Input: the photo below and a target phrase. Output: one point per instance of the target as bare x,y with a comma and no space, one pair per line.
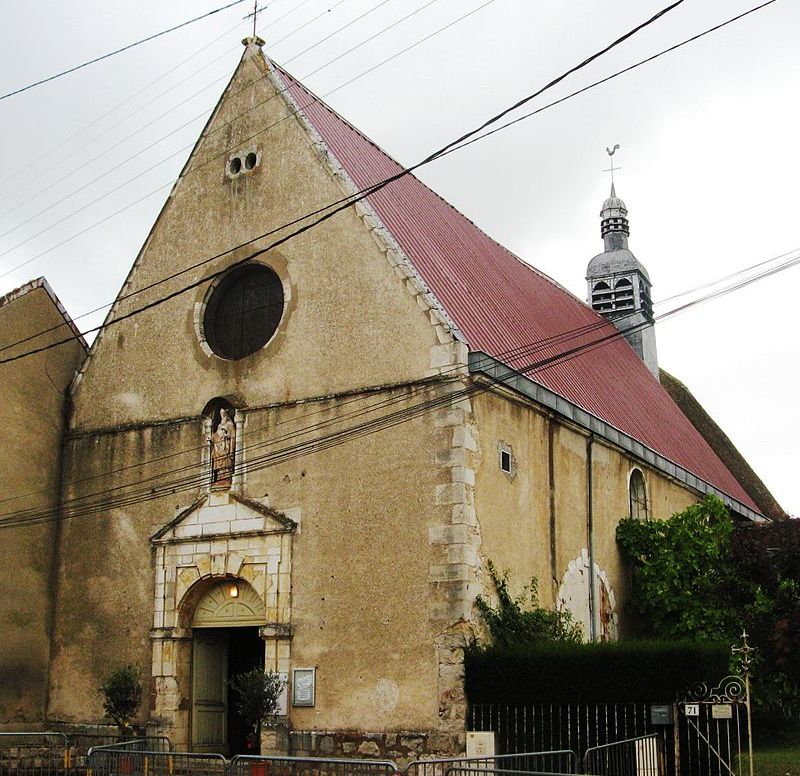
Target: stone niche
221,536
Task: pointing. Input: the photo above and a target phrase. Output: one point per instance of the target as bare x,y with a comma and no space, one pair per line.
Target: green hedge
610,672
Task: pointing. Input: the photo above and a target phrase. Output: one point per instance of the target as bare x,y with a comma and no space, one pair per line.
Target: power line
223,126
37,515
60,161
516,352
118,51
350,199
300,448
138,153
169,112
618,73
335,438
128,99
310,21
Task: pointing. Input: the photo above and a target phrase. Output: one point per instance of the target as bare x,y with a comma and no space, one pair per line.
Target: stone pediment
223,514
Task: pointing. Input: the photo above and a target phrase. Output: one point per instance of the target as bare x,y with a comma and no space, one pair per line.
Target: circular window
243,311
235,165
250,160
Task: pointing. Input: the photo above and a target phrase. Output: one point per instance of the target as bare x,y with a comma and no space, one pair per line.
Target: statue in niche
223,450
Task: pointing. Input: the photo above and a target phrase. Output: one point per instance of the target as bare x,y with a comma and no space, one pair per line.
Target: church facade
300,447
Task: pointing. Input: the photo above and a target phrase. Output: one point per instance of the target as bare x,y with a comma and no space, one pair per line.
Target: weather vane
611,152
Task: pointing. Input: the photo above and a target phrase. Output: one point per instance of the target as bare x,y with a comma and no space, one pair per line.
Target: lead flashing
498,372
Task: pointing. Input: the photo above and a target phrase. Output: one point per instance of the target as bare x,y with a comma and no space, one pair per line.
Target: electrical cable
203,115
323,443
618,73
200,116
346,199
509,355
118,51
128,99
332,439
61,160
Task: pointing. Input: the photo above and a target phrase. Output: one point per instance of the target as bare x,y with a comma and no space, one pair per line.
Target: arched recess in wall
638,507
575,596
222,602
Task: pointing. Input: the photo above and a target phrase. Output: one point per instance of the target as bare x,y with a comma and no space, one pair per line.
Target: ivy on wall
699,576
521,619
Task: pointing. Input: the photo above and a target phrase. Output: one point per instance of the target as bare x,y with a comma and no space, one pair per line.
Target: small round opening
235,165
250,161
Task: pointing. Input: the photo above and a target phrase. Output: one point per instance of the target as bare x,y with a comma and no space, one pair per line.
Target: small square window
506,460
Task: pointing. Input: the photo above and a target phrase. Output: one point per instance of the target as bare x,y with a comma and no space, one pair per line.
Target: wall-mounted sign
722,711
480,744
303,686
692,709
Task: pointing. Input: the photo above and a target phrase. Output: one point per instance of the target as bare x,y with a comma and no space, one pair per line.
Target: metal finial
611,152
255,12
744,653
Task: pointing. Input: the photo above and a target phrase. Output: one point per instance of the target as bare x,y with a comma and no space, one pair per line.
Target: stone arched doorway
226,617
220,541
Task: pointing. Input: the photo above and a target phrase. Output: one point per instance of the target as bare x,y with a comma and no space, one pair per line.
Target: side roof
32,285
511,311
723,446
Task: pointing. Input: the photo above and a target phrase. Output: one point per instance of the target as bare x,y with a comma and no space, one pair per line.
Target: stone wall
32,416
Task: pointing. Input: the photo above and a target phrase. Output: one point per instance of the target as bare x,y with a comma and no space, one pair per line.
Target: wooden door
210,691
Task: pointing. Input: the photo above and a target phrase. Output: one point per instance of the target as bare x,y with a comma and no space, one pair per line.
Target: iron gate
713,729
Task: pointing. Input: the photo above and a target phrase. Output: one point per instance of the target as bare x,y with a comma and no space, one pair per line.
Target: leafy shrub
522,620
602,672
256,694
122,695
698,576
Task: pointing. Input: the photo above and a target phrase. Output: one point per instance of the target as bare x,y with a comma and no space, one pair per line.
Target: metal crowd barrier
128,759
460,771
557,761
83,743
33,754
253,765
643,756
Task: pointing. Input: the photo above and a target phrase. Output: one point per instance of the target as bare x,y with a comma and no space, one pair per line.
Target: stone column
171,677
277,657
237,483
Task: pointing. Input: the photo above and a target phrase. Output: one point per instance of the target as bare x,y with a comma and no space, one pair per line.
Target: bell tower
619,286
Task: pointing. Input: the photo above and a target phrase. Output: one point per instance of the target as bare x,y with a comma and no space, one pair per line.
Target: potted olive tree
256,696
122,695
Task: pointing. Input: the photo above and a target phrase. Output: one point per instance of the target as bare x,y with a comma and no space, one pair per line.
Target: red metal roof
502,305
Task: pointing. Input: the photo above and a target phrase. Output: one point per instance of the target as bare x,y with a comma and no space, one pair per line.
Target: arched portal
221,604
224,615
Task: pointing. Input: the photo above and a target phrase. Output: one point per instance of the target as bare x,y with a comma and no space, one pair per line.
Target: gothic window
243,311
637,492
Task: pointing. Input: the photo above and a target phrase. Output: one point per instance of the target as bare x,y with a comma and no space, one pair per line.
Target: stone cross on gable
256,11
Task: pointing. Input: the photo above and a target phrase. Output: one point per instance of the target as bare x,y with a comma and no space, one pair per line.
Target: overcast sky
708,135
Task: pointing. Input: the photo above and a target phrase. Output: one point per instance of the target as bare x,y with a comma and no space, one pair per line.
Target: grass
778,760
